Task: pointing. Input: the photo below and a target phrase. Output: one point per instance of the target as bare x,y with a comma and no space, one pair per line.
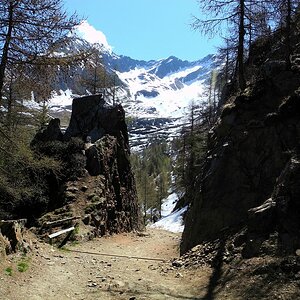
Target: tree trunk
5,50
9,108
288,35
145,200
240,58
95,81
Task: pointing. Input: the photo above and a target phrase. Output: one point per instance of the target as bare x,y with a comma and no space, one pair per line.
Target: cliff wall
252,166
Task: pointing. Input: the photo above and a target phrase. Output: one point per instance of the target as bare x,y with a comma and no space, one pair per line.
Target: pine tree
284,11
152,169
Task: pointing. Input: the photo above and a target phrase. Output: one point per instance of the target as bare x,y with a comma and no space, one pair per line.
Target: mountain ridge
151,89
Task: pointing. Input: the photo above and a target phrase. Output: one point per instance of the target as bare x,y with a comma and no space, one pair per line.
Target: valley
130,178
156,95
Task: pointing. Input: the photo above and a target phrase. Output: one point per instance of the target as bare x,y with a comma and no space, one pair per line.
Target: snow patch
169,204
61,100
173,222
170,101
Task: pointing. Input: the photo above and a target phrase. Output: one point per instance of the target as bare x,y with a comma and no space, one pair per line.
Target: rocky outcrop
11,236
90,117
251,171
51,132
102,195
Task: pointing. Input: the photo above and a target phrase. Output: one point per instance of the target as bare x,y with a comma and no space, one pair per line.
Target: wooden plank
22,222
58,233
62,221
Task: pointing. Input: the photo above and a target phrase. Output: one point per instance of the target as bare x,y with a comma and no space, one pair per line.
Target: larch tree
31,33
95,77
284,11
221,14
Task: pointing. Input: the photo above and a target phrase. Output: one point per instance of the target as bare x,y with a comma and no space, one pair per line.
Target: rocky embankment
94,189
104,197
250,182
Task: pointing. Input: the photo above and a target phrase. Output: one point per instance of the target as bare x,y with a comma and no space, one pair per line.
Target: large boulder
49,133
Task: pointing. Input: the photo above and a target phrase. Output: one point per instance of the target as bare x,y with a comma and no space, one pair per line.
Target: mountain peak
87,32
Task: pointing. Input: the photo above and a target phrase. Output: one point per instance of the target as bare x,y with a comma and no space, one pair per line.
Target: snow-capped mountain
164,88
154,93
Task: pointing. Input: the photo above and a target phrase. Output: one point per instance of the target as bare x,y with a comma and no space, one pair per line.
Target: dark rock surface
103,193
91,118
253,156
50,133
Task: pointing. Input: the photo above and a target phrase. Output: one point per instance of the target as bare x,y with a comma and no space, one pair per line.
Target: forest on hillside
37,54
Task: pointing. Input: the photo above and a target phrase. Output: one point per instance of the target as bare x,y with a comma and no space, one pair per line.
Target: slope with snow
171,221
165,97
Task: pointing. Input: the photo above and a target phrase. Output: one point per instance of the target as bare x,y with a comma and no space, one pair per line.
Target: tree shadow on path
217,264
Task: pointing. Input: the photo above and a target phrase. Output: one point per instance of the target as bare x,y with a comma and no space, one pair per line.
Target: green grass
22,266
8,271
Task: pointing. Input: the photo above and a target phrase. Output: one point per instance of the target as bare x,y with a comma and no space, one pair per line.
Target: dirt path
84,274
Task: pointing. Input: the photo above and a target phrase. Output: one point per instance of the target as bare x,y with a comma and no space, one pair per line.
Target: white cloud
92,35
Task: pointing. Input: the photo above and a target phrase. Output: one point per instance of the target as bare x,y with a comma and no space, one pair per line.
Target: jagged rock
90,118
287,197
111,205
51,133
84,118
5,247
261,219
11,235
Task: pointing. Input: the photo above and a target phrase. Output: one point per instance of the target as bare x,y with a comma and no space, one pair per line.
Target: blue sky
146,29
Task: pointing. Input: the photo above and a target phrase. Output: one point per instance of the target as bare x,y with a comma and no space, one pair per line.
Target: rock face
11,236
51,133
252,167
90,118
102,195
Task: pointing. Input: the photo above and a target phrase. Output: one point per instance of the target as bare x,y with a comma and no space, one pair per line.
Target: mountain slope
147,90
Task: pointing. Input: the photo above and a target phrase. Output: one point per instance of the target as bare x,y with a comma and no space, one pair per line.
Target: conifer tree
30,33
94,77
284,11
221,13
152,170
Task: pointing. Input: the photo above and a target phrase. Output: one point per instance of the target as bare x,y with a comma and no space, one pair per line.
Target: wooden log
60,222
21,222
58,233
